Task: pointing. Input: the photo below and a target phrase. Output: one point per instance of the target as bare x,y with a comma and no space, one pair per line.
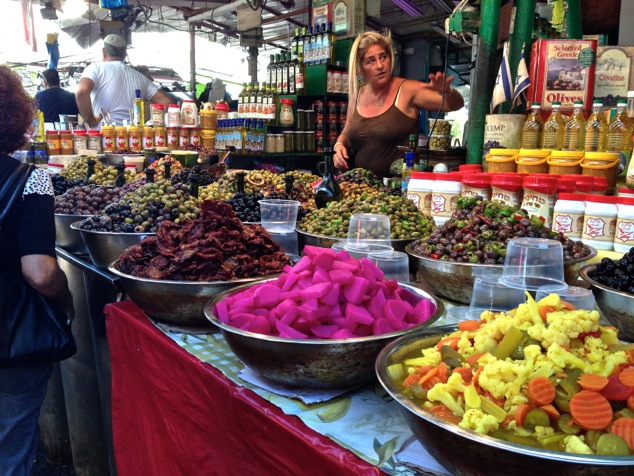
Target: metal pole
482,86
521,34
192,60
253,63
573,22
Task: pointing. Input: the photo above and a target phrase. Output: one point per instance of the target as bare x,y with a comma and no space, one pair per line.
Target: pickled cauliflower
517,375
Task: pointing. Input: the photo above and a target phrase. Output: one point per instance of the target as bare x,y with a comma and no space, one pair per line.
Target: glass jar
300,141
172,138
66,141
134,138
194,136
183,137
286,112
208,119
158,115
80,141
269,144
94,140
160,137
53,143
310,141
279,143
148,137
289,141
120,138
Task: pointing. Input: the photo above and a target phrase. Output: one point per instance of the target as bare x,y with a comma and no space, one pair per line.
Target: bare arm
161,98
84,103
429,95
341,147
45,276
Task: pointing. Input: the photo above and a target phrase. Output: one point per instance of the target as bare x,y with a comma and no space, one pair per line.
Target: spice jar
158,115
107,138
80,141
160,137
624,233
173,116
476,185
66,142
222,111
286,112
183,137
134,138
148,137
94,140
599,221
120,138
445,192
539,196
420,188
568,215
194,136
189,113
507,189
53,143
172,138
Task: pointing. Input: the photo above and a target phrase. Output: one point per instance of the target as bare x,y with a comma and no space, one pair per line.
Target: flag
502,91
522,82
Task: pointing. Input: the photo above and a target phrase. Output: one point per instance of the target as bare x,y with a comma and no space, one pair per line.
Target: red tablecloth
175,415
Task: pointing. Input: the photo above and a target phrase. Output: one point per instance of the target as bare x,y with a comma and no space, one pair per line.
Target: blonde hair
359,48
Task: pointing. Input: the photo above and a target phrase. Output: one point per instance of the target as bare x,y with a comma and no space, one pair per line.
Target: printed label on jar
570,224
469,192
624,234
329,81
336,82
539,205
443,204
121,142
421,199
505,197
148,143
598,229
94,143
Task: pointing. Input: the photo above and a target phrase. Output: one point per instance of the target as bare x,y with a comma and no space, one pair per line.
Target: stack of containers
420,188
538,197
568,215
507,188
624,233
476,185
599,221
501,161
446,189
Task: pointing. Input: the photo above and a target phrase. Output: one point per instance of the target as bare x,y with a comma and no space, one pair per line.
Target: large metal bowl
174,302
69,238
312,363
616,306
466,452
105,247
327,241
454,281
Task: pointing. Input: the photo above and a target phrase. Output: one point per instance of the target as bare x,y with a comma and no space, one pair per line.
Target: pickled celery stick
492,409
509,342
395,372
623,347
553,439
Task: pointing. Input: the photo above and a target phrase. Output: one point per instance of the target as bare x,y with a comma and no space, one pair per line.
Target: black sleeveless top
374,140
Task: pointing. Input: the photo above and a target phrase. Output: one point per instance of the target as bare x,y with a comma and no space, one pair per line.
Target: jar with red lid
222,111
444,196
94,140
286,112
539,196
476,185
600,185
584,183
470,168
66,142
80,141
158,115
599,221
507,189
53,143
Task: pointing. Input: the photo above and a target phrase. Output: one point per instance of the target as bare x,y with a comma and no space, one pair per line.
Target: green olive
612,445
567,425
536,417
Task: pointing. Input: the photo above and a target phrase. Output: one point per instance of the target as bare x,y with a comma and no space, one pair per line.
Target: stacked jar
507,189
624,232
538,198
420,189
568,215
599,221
446,189
476,185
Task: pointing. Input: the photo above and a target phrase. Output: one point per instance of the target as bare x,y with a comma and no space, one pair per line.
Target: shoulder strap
13,188
398,93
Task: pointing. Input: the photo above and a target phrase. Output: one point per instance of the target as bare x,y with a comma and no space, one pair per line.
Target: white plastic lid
630,94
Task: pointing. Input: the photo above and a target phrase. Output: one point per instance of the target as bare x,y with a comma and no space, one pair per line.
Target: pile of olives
406,220
87,199
108,176
143,211
77,169
159,167
204,177
246,206
61,184
360,176
617,274
441,127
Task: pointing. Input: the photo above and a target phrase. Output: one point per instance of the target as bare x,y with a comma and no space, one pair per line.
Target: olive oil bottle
532,129
554,129
575,132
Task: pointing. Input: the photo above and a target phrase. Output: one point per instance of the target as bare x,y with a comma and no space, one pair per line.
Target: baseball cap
115,40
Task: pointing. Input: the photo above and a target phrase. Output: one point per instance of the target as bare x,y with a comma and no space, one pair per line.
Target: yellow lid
505,152
133,129
148,129
107,128
208,112
587,163
118,128
605,156
536,153
207,133
567,154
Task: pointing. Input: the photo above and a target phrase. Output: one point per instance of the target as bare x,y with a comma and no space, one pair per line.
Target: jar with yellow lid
532,161
134,138
501,160
107,138
602,164
208,119
120,137
208,138
160,137
564,162
147,139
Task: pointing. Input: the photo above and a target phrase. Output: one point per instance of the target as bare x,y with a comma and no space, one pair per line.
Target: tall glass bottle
278,73
300,44
246,106
292,80
300,75
253,101
596,129
241,99
323,45
620,129
270,69
139,109
331,44
285,64
408,166
328,190
259,107
314,46
554,128
294,43
575,132
532,129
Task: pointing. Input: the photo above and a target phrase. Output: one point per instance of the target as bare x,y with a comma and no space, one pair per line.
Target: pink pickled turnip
342,334
267,295
341,276
220,310
310,304
289,332
289,316
358,314
395,312
383,326
316,291
321,276
324,332
355,291
259,325
332,296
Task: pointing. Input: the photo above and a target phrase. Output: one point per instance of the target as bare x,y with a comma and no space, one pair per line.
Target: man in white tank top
110,85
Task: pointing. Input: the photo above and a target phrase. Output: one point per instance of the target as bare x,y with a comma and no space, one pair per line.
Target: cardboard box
562,70
614,74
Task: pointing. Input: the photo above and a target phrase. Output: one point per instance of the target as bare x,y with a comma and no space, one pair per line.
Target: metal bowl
105,247
69,238
466,452
616,306
174,302
312,363
327,241
454,281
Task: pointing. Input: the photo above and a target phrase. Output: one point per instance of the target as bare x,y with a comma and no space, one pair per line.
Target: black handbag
33,329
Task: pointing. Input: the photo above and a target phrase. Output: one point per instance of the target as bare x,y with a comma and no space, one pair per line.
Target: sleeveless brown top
374,140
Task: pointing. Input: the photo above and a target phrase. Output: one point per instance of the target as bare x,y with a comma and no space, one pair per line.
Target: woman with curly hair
27,245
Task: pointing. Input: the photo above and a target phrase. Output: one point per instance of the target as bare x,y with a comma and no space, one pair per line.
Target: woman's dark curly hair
16,111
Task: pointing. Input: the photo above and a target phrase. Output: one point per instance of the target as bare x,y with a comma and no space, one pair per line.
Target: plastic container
476,185
440,127
80,141
54,168
53,142
279,216
532,161
286,112
599,222
134,139
584,183
602,164
183,137
501,160
568,215
94,140
625,191
189,113
173,116
599,185
147,138
624,232
222,111
158,115
120,138
564,162
208,119
469,168
395,265
565,184
66,141
172,138
369,228
533,262
489,294
160,137
580,298
420,188
507,189
437,142
445,192
208,138
538,197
